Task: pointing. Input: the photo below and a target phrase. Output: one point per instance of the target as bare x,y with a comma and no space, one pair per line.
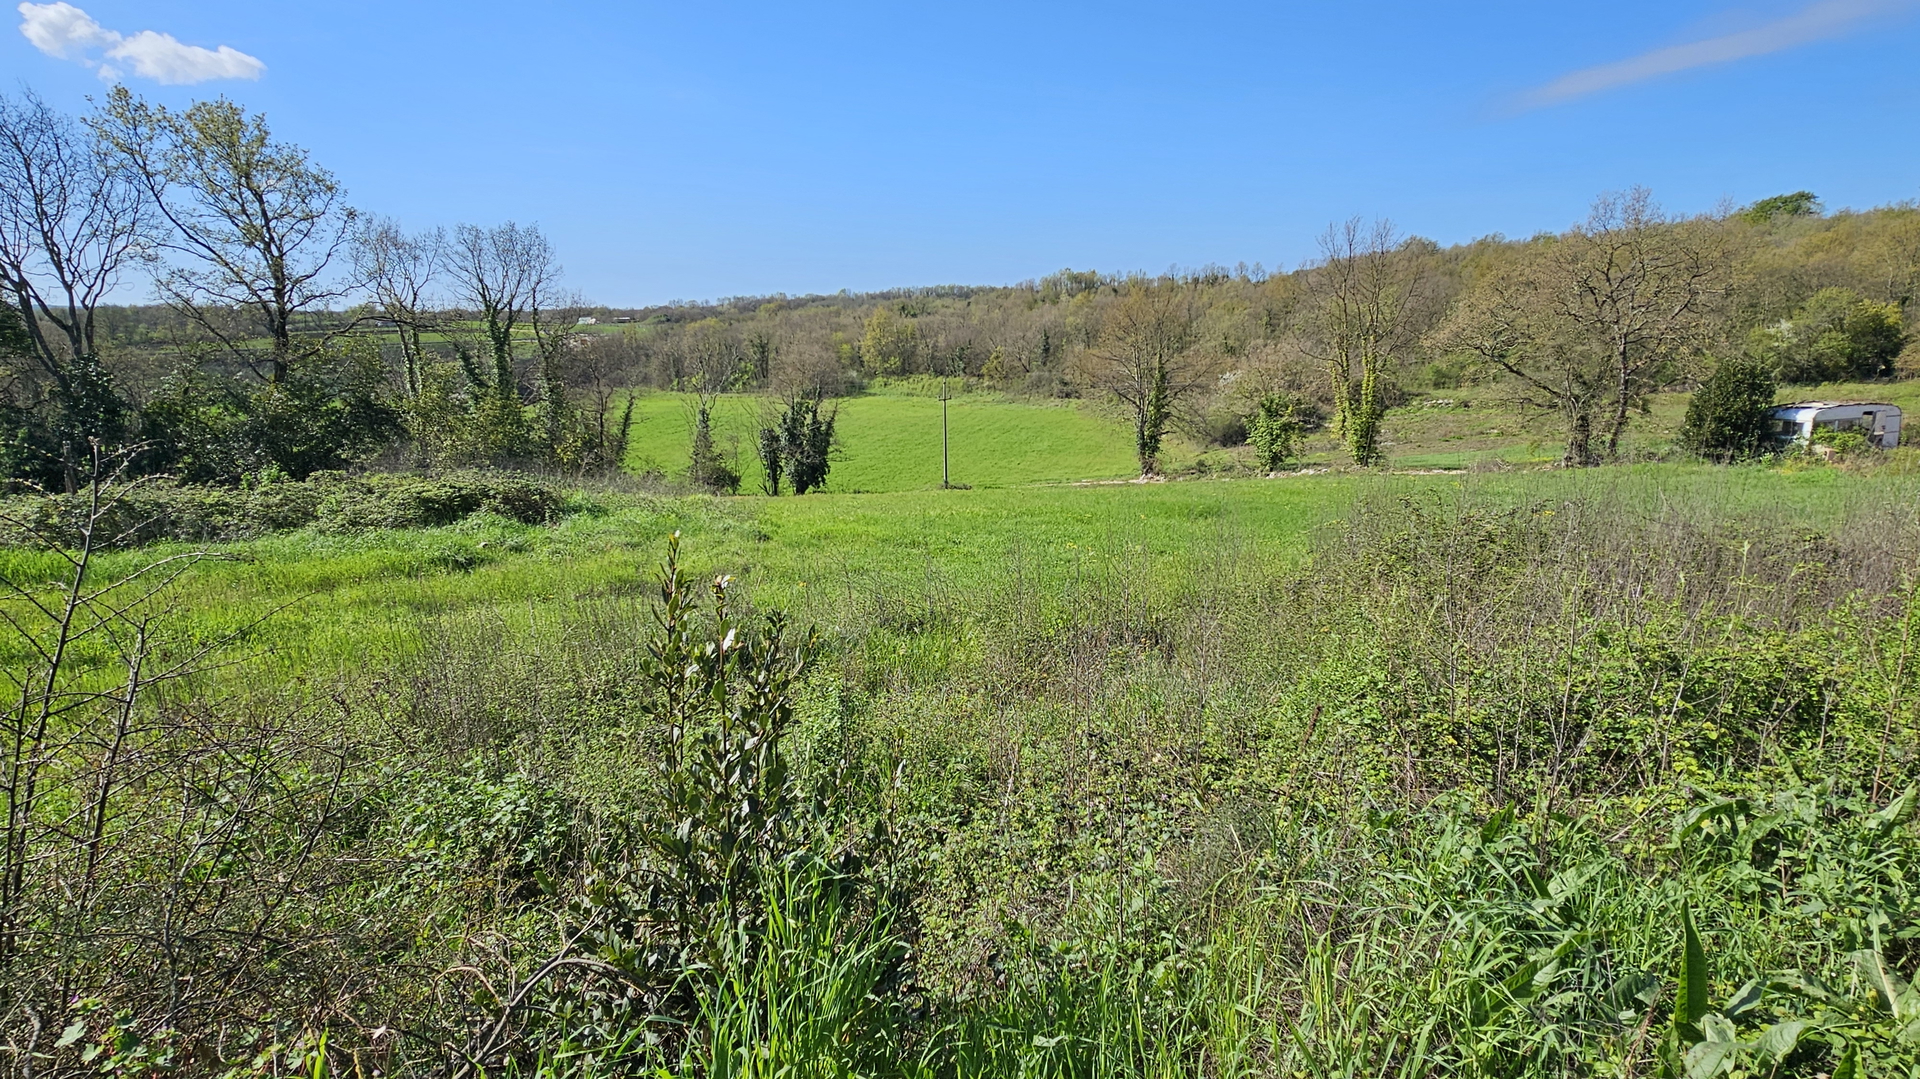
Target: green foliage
1767,210
799,446
46,435
1727,415
1835,335
382,501
1273,431
889,344
268,502
1093,786
707,468
736,928
771,466
331,409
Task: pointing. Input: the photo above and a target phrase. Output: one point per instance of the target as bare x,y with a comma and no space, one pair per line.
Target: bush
409,502
1727,416
329,501
1274,431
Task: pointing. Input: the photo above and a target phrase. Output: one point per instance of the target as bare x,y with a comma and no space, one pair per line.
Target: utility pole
949,356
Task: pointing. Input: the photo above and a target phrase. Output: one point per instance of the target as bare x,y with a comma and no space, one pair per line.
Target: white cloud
64,31
1826,18
159,57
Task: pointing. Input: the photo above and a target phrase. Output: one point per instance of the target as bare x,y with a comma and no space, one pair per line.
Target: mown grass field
890,439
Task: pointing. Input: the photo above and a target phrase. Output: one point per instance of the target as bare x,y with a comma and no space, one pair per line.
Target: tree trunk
1622,396
1579,438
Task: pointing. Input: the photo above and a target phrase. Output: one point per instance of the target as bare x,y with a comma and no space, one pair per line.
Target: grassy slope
891,442
1469,426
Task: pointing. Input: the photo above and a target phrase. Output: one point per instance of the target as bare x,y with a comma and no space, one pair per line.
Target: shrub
152,512
1274,431
798,445
1728,413
409,502
707,468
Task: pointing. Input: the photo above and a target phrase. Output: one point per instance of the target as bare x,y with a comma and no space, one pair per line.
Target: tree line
1582,326
295,333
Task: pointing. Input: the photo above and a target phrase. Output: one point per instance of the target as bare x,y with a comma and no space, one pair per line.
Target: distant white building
1806,423
586,320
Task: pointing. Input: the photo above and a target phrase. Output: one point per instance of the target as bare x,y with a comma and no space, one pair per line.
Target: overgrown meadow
1526,774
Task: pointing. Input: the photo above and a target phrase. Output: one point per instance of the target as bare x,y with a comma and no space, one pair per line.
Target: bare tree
258,224
70,221
602,369
1363,295
715,361
1145,357
502,274
401,272
1644,288
1509,322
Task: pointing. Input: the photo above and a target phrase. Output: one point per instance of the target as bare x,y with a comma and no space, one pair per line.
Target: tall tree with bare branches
1509,323
502,274
1362,300
71,220
401,272
1645,288
1146,358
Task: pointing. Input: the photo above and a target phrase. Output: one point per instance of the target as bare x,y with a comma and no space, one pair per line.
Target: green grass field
890,439
891,442
1137,761
321,605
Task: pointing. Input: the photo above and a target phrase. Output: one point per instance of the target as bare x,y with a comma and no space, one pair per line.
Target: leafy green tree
798,445
707,468
888,343
255,224
1727,417
1768,210
769,451
330,410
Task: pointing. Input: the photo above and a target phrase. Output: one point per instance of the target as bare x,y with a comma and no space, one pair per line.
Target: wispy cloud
1823,19
64,31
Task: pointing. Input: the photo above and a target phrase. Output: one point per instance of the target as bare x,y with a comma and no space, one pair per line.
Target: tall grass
1428,782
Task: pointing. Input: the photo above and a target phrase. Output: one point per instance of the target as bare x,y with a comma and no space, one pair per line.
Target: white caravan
1811,422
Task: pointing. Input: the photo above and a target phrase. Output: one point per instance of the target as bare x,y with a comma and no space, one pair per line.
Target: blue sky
699,150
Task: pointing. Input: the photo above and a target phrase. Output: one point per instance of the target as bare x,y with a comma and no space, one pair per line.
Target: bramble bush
150,510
